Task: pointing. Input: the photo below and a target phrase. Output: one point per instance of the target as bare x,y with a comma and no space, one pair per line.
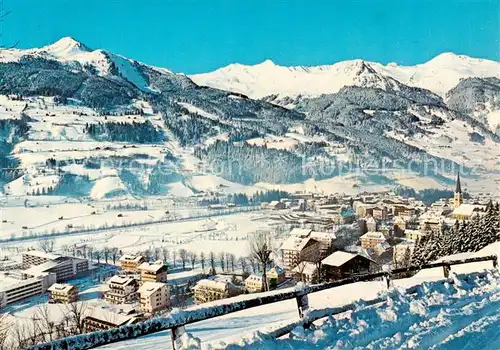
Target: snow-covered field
227,233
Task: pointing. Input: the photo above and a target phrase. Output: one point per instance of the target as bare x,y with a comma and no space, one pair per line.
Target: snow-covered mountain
438,75
65,110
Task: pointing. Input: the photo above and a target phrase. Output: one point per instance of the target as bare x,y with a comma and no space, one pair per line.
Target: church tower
458,198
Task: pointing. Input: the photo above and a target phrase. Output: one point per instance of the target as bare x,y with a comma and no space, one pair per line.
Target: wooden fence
176,322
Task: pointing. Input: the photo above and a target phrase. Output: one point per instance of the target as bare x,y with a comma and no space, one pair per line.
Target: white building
15,286
154,296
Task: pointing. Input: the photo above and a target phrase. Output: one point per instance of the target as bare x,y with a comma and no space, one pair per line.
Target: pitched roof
338,258
296,243
151,267
206,283
128,257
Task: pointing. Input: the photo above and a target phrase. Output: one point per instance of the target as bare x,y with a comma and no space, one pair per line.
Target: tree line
464,236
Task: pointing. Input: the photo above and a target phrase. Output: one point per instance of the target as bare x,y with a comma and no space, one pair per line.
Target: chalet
100,319
63,293
340,265
130,263
121,290
156,272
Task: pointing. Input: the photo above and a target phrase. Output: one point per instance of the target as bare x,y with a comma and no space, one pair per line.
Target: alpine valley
89,123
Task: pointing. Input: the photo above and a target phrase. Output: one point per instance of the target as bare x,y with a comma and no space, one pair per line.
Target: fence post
388,278
302,305
446,270
176,333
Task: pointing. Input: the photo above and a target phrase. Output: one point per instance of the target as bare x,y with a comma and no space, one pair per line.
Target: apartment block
63,293
154,296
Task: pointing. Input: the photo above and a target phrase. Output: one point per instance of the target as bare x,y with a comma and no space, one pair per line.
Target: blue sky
198,36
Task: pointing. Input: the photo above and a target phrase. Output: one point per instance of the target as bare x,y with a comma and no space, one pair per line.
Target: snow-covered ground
456,308
464,314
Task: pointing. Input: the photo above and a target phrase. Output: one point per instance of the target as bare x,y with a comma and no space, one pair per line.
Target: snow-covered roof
40,254
322,236
467,209
151,267
305,267
296,243
254,278
105,315
300,232
149,288
38,270
374,235
338,258
61,287
205,283
121,280
127,257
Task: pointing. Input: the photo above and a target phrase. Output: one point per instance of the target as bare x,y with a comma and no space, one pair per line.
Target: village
310,239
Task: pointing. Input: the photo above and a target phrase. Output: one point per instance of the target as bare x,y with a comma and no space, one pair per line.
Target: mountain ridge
268,78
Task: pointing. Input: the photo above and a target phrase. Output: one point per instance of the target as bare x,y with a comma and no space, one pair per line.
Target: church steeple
458,189
457,197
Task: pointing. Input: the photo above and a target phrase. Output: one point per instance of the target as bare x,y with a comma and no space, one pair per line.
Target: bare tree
243,264
211,258
174,257
90,252
35,333
202,261
47,324
260,248
165,254
47,245
76,313
232,261
183,256
157,253
222,256
20,332
192,259
147,254
106,253
114,254
251,259
98,255
4,330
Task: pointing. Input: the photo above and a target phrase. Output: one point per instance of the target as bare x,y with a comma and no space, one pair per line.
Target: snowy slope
437,75
399,321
